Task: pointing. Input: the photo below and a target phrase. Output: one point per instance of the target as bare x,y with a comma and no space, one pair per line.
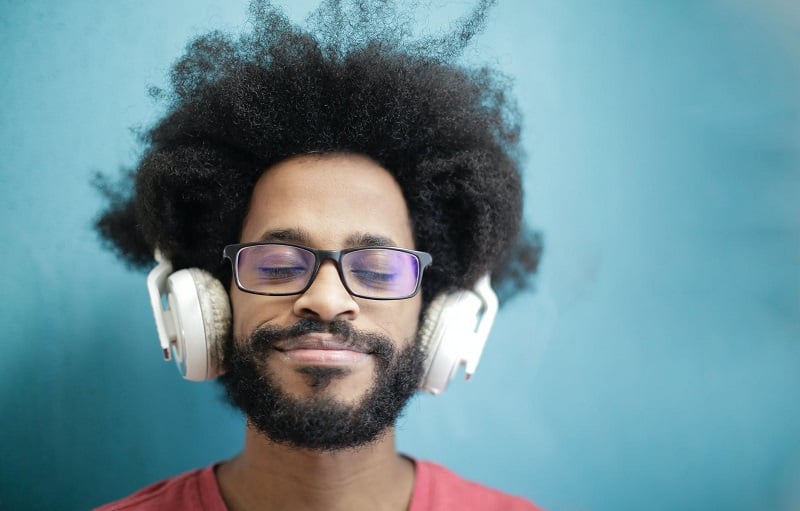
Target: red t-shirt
435,489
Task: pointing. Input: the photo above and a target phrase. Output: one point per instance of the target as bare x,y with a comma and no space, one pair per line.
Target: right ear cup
196,321
453,333
202,316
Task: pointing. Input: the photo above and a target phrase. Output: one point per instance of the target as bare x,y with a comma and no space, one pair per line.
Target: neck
275,477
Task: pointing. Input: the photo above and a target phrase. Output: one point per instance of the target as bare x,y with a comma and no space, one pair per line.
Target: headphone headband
156,287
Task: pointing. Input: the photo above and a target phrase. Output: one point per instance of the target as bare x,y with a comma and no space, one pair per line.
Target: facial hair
320,422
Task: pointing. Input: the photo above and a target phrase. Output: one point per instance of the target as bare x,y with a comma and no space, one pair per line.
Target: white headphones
193,318
454,332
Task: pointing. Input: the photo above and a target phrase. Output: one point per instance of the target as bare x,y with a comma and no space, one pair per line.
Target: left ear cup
194,319
453,333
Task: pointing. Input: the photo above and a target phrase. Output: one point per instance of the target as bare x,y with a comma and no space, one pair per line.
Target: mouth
321,350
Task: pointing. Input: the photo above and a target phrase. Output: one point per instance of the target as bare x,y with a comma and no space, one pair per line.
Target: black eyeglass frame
231,253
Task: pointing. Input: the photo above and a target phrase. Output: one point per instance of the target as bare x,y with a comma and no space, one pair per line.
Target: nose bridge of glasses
325,255
330,258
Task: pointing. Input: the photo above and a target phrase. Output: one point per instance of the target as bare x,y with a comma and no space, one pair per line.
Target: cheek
239,307
403,320
251,311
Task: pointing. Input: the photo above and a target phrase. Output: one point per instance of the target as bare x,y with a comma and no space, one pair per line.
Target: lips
321,350
318,342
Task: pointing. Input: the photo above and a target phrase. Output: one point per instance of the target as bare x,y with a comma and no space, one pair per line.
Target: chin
341,384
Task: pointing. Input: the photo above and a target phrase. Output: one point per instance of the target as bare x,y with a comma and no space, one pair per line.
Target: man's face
339,366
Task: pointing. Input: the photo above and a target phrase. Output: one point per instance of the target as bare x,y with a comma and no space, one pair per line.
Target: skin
327,202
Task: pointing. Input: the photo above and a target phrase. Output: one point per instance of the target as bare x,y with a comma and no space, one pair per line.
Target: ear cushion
428,331
202,316
216,313
446,338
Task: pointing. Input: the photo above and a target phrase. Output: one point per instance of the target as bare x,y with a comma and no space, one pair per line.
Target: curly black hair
355,81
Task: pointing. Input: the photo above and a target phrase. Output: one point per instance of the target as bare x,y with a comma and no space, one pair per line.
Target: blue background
656,368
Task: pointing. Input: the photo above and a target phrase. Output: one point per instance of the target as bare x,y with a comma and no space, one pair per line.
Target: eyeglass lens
370,272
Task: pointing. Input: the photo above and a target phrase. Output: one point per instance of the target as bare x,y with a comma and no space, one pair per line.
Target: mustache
379,345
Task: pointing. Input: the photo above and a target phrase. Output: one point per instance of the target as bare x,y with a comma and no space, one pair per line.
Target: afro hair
353,81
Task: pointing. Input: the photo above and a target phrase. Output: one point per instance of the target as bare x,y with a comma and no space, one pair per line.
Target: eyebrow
365,239
358,239
287,235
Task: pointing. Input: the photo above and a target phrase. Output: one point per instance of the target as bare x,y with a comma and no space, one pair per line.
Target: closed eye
281,273
374,278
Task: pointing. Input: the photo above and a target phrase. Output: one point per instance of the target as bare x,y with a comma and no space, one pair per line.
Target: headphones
193,319
454,332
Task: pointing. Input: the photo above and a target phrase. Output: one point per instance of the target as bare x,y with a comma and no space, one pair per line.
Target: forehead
328,201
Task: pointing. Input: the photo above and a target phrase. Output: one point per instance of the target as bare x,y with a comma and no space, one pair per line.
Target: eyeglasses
280,269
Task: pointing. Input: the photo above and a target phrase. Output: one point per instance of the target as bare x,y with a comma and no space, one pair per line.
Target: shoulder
193,490
439,488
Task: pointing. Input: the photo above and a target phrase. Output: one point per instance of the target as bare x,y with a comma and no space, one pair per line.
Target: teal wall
657,367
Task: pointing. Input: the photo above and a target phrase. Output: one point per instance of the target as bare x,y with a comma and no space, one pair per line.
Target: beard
319,422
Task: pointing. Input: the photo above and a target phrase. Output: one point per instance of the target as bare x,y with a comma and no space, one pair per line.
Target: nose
326,299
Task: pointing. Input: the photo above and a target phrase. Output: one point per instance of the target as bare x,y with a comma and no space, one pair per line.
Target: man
353,182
